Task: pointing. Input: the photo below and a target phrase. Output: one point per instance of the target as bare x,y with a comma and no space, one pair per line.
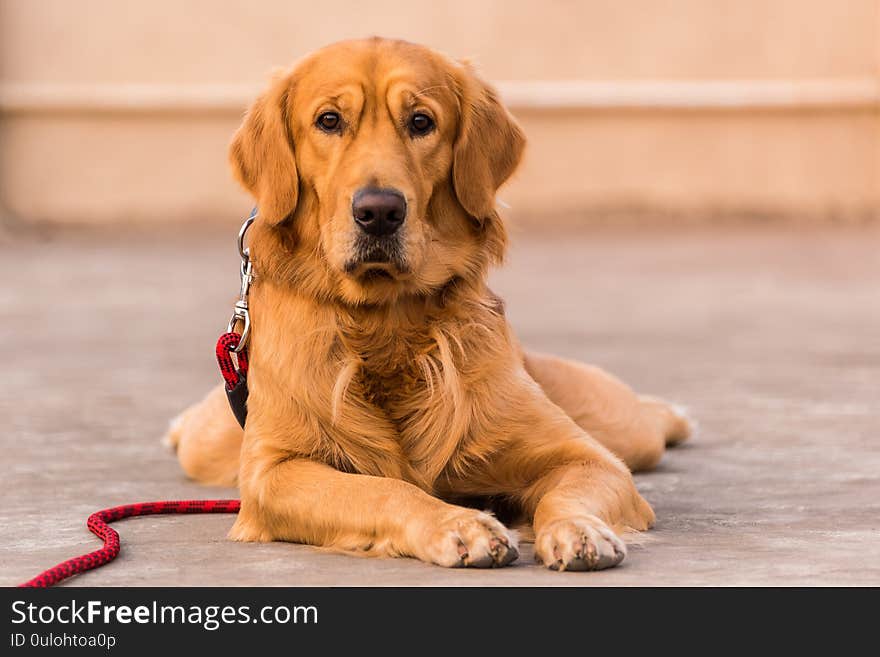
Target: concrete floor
771,338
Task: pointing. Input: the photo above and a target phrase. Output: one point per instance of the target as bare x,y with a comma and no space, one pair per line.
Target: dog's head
376,164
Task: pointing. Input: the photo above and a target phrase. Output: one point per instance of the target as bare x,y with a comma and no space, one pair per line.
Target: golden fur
381,394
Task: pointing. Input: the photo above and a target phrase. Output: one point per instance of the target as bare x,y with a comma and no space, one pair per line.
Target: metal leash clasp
240,311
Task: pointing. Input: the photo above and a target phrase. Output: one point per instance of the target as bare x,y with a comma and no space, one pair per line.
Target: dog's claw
511,555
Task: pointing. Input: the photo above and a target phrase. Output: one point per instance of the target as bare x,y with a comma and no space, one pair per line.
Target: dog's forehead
374,67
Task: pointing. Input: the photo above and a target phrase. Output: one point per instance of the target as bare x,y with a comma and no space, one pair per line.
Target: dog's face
381,159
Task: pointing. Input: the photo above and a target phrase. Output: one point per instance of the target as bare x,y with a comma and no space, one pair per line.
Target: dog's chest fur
397,366
422,360
389,391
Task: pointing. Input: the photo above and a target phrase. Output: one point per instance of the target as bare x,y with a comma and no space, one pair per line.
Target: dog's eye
329,122
420,124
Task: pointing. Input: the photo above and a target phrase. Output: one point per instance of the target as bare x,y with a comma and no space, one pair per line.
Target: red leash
97,524
236,379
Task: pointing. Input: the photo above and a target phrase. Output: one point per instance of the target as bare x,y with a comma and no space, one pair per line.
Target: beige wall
121,110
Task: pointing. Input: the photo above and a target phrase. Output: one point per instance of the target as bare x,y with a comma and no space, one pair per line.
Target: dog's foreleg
308,502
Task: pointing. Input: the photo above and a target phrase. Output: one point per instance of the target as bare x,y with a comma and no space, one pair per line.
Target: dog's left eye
329,121
420,124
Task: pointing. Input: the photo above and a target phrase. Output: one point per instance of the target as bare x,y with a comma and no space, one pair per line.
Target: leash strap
97,524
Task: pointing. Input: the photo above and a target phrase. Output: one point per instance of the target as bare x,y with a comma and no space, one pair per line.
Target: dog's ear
488,147
261,152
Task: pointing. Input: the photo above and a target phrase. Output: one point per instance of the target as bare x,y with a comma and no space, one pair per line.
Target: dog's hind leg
675,425
636,428
207,439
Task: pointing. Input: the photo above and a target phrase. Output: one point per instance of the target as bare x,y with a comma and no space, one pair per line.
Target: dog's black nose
378,211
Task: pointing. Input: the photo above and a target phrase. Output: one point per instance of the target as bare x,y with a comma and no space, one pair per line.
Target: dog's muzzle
384,252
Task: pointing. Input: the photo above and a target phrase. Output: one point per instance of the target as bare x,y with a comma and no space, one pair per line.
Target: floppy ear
488,149
261,153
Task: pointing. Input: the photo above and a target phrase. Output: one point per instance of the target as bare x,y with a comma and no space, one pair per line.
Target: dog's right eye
329,122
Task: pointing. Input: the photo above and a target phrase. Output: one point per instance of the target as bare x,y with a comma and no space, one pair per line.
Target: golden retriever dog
387,390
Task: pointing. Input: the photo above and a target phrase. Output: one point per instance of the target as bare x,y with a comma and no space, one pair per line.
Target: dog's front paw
583,543
467,538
